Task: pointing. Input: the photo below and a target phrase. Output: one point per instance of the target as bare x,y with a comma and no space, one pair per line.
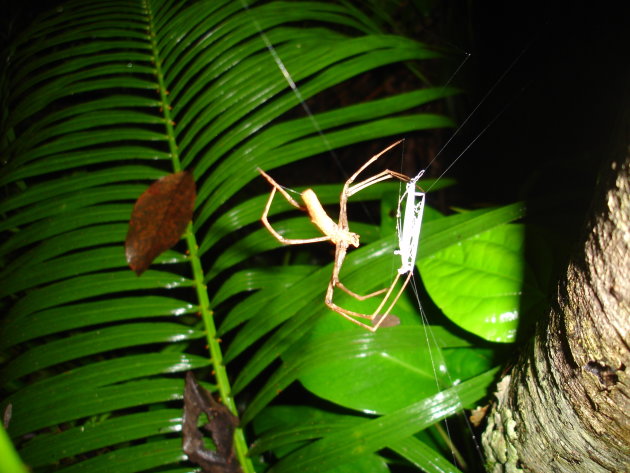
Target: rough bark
565,406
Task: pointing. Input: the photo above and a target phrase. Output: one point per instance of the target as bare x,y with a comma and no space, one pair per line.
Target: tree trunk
565,406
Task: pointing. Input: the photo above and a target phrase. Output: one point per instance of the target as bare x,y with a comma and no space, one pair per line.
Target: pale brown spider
340,236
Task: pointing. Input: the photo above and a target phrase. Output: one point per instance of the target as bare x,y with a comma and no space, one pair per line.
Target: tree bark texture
565,406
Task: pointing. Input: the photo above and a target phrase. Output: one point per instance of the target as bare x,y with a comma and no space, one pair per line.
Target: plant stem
219,371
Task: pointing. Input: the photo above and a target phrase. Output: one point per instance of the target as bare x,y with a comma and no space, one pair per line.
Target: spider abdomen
326,225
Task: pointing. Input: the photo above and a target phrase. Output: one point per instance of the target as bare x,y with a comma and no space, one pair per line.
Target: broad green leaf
381,372
347,444
11,461
391,357
423,456
481,282
285,428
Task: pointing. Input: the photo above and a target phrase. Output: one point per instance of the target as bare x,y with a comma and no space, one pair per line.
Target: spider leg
349,189
385,319
381,176
281,189
360,297
350,315
265,221
387,312
370,161
382,318
340,255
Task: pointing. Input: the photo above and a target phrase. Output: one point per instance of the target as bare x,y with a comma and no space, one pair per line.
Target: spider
340,235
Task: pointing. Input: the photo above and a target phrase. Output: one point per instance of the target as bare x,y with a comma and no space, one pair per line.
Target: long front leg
277,186
381,176
265,220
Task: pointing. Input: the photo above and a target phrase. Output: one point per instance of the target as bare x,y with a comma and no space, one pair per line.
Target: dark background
565,99
551,83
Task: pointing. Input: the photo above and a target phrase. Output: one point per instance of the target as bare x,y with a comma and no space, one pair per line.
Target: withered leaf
159,218
221,425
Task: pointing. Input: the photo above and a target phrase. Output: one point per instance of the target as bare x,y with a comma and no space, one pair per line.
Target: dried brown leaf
159,218
221,425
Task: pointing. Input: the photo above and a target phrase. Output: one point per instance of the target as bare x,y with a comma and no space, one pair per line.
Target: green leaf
480,283
82,393
10,460
135,458
285,428
53,447
347,444
74,316
97,341
423,456
274,282
353,367
83,287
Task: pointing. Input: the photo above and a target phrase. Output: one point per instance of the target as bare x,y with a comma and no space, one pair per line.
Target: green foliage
495,261
10,459
104,97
